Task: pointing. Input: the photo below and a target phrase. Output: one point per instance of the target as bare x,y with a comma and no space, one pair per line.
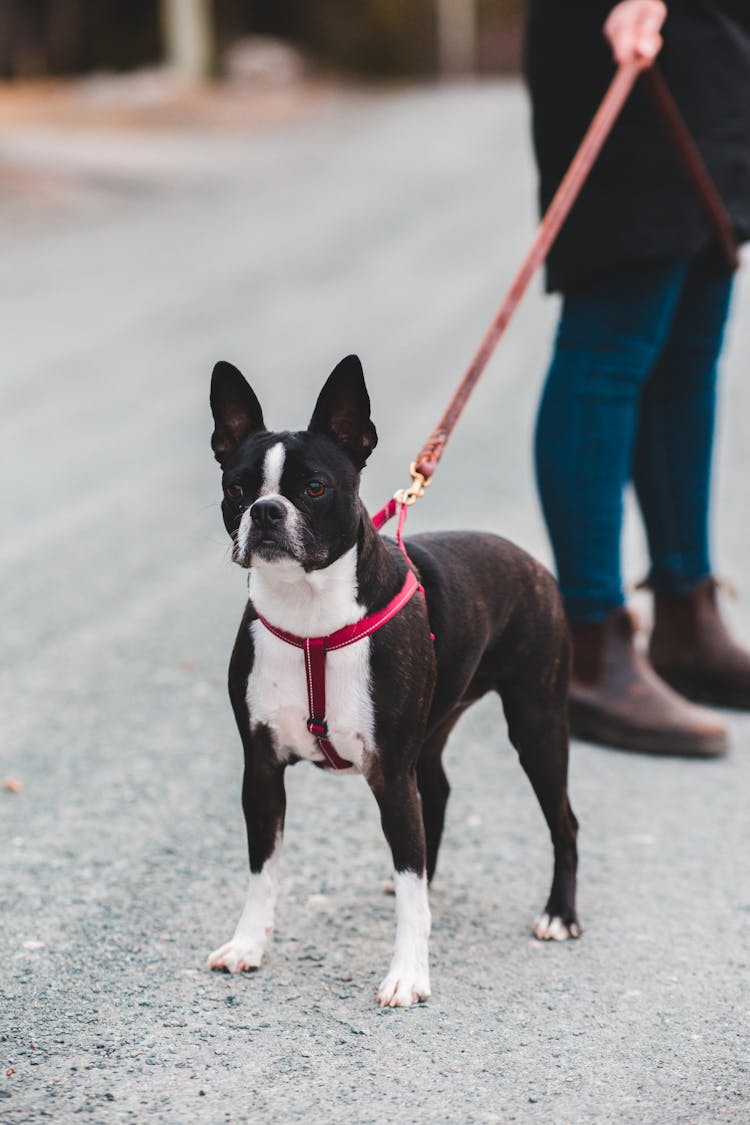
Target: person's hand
633,29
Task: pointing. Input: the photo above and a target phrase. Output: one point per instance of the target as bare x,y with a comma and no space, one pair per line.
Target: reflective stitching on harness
308,675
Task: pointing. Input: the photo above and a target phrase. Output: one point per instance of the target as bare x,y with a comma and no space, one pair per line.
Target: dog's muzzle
265,532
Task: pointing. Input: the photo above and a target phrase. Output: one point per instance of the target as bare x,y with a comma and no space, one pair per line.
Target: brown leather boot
692,649
617,699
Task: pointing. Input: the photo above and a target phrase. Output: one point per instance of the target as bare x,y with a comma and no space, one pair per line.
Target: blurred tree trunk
457,34
64,35
189,37
21,53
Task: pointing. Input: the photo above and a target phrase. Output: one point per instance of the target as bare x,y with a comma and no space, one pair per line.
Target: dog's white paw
236,957
405,985
552,928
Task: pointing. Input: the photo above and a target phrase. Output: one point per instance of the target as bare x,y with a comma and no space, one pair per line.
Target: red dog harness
315,648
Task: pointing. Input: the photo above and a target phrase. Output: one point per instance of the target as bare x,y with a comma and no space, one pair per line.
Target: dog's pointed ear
343,411
235,408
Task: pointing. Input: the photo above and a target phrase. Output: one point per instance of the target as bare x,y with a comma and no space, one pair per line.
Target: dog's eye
315,488
234,491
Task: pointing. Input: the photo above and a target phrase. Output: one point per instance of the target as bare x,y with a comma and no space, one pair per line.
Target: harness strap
315,674
315,649
386,513
351,633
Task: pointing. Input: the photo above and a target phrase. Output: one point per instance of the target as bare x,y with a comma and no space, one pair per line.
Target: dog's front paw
552,928
236,957
405,985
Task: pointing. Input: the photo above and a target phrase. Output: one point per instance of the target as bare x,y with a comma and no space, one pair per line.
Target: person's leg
691,647
672,464
609,338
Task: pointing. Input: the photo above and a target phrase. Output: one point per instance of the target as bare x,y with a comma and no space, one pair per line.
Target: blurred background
375,37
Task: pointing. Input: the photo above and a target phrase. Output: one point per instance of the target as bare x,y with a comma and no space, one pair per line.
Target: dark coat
638,203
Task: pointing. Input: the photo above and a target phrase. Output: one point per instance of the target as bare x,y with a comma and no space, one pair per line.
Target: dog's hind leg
537,727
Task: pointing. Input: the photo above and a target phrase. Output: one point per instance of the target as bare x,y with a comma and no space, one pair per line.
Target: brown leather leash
423,467
687,150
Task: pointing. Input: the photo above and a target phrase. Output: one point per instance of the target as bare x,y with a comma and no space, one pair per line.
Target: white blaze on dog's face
273,467
270,528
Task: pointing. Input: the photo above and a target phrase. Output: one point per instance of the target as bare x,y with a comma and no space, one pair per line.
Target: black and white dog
318,567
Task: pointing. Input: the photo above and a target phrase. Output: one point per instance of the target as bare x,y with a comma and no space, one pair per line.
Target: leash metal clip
415,491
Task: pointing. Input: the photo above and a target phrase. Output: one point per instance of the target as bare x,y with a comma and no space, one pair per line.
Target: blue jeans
631,394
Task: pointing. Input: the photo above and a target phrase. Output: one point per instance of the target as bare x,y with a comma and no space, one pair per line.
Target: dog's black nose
264,513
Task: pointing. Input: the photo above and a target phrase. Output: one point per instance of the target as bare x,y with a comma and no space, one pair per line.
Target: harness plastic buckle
318,727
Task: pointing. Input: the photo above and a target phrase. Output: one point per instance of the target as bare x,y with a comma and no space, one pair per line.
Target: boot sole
604,731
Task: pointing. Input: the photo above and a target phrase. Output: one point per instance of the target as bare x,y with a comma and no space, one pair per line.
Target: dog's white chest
277,695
